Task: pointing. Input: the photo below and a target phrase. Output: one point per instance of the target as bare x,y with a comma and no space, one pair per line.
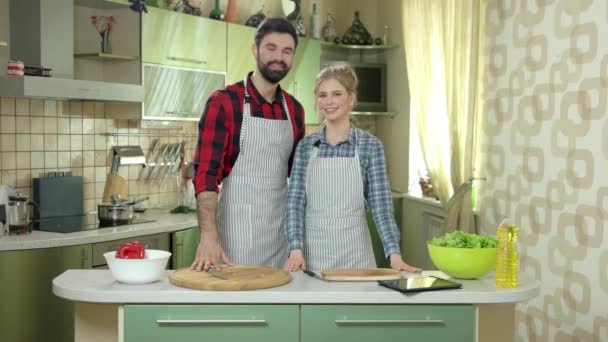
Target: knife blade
216,274
314,275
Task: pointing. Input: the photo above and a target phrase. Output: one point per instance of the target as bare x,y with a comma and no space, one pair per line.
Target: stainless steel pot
118,212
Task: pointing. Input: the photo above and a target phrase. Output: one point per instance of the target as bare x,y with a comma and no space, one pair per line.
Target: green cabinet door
363,323
184,244
240,60
195,323
29,311
178,39
300,82
381,260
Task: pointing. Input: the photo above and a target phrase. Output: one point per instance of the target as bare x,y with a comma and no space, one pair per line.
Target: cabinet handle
83,258
187,60
388,321
184,113
211,322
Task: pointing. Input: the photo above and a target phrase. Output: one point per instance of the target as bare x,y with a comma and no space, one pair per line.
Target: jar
18,219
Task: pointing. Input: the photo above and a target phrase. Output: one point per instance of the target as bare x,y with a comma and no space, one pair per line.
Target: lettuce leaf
461,239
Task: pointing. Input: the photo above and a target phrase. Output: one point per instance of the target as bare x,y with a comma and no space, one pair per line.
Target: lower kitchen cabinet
356,323
189,323
29,311
184,244
305,323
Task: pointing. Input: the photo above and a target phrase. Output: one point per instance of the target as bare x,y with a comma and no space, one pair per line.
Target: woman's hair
342,73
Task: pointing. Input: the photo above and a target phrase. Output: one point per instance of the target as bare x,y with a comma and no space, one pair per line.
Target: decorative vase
231,12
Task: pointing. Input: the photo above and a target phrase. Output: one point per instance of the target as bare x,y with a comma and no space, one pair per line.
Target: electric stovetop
71,224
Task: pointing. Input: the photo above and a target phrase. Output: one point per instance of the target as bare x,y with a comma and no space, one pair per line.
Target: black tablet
418,284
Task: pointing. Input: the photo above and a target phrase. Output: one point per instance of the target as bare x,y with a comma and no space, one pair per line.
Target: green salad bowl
463,263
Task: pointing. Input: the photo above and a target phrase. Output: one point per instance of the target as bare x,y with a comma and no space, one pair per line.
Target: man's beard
273,76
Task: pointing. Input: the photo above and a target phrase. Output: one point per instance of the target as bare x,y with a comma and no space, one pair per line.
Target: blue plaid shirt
376,186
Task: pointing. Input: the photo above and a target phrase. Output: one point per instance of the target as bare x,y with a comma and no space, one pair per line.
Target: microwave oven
371,92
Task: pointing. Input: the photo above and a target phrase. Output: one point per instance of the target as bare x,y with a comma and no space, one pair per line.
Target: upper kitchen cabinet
300,82
183,40
240,61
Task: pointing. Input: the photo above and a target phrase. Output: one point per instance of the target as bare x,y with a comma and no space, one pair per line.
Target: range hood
69,89
42,34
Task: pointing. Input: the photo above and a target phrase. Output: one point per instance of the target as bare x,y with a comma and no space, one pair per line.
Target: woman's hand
398,264
295,261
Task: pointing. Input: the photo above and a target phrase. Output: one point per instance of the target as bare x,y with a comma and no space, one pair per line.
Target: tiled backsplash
39,136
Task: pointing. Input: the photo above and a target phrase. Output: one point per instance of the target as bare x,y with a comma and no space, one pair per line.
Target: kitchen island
306,309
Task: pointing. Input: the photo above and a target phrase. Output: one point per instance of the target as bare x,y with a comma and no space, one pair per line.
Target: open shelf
358,47
105,56
3,43
103,4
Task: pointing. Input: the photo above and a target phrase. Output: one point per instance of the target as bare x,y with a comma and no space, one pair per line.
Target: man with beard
247,137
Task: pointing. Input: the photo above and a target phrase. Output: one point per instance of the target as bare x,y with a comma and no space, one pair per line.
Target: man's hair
275,25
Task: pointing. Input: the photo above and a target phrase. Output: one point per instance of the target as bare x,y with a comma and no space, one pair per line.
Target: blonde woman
338,172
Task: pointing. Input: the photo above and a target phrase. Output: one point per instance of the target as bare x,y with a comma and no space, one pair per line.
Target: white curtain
443,43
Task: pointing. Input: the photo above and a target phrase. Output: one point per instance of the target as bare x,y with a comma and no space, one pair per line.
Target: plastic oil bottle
507,263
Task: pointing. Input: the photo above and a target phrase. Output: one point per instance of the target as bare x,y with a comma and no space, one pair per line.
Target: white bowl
138,271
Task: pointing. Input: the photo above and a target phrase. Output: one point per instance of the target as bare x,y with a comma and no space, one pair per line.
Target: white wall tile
24,160
22,124
23,143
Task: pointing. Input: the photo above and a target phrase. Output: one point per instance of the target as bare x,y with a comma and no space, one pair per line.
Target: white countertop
164,222
98,286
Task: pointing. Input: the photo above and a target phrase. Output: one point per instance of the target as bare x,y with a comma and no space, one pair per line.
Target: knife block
115,184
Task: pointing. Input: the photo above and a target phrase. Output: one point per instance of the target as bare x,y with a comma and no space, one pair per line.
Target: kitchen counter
165,222
306,309
98,286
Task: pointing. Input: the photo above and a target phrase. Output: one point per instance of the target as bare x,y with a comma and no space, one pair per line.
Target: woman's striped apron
336,234
252,199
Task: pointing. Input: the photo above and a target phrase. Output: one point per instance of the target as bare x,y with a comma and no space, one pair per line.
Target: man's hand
209,254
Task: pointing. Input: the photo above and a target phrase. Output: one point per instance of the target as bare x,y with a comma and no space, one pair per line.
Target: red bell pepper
132,250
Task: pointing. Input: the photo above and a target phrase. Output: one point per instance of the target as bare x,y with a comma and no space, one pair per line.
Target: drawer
189,323
355,323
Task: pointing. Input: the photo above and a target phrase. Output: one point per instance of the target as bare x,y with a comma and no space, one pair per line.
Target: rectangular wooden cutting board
361,274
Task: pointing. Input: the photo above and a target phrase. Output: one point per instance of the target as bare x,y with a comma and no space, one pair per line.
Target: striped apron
336,234
252,200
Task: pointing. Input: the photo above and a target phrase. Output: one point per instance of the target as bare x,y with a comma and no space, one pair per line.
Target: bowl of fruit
132,263
462,255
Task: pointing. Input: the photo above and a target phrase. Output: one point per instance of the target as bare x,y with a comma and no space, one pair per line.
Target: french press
18,215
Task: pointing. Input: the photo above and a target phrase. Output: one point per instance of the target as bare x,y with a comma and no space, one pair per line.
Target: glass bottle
216,13
315,23
507,263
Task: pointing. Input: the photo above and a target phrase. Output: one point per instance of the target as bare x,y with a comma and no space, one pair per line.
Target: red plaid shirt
220,128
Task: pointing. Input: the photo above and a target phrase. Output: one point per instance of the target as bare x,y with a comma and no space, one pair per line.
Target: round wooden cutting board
239,278
361,274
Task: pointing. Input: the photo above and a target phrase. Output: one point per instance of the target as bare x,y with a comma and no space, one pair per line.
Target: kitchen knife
314,275
216,274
